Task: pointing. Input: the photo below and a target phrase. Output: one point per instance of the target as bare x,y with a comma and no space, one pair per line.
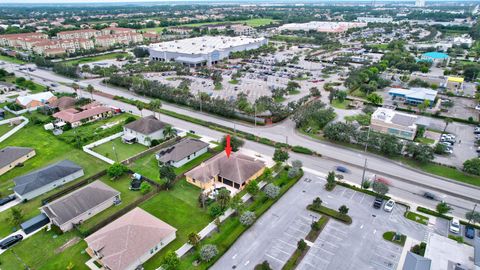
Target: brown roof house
144,130
130,240
235,171
81,205
11,156
63,103
88,113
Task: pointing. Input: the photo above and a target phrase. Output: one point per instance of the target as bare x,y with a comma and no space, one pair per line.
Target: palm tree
447,121
155,105
90,89
169,131
76,87
140,107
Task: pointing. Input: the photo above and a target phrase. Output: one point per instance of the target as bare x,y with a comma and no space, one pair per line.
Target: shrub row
331,213
433,213
366,191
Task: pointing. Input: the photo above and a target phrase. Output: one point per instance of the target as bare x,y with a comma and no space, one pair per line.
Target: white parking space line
275,258
286,243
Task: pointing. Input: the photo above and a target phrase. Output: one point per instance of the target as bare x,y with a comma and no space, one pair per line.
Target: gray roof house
416,262
182,152
40,181
11,156
81,205
143,130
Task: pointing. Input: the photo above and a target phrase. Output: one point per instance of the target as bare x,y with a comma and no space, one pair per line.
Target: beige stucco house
11,156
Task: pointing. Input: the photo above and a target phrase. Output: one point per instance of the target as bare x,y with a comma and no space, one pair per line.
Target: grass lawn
340,105
445,172
123,150
425,140
389,236
251,22
179,208
417,217
30,85
41,252
5,128
127,197
95,131
48,150
294,92
11,59
218,86
90,59
279,99
233,82
148,167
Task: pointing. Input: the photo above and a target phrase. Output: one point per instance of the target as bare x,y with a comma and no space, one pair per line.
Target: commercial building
435,57
201,51
235,171
414,95
399,124
41,181
419,3
182,152
12,156
327,27
375,19
129,241
80,205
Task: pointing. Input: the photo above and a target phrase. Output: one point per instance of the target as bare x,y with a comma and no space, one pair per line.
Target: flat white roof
394,117
203,45
415,92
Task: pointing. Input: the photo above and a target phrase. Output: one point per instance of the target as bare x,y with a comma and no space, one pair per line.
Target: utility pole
365,164
473,212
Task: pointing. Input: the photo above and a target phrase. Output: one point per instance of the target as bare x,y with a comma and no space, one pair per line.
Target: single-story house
11,156
130,240
36,100
40,181
235,171
86,114
63,103
80,205
34,223
395,123
182,152
414,95
144,130
7,87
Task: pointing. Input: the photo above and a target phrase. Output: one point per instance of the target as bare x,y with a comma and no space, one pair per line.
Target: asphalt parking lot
442,228
275,235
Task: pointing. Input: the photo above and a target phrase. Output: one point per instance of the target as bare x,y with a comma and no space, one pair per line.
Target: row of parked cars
455,228
449,141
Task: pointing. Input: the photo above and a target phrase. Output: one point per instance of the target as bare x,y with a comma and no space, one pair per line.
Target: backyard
178,207
5,128
119,151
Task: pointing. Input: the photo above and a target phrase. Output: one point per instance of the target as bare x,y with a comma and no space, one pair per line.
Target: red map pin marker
228,148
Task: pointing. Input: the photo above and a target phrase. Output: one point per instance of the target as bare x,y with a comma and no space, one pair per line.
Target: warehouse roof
203,45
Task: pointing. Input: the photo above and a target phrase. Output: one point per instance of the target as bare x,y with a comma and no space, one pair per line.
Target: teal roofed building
434,57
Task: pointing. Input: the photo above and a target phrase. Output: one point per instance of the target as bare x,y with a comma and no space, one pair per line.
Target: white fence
21,111
15,129
88,148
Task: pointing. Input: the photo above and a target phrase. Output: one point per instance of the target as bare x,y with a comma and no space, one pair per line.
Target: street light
365,164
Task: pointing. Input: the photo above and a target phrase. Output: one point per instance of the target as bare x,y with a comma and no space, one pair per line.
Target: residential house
86,114
36,100
63,103
414,95
235,171
41,181
80,205
144,130
182,152
129,241
12,156
395,123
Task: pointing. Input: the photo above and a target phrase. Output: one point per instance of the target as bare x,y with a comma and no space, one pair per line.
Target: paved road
275,235
407,183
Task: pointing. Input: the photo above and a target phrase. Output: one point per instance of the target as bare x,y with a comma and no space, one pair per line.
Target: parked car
377,203
469,232
10,241
454,226
388,207
429,195
341,169
7,199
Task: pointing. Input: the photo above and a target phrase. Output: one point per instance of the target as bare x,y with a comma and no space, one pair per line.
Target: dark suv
377,203
7,199
10,241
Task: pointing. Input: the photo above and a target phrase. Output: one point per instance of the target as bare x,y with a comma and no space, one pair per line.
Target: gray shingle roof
80,201
416,262
44,176
11,153
180,150
238,168
403,120
146,125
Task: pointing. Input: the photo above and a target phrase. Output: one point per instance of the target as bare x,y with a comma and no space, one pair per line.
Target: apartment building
21,40
242,30
75,34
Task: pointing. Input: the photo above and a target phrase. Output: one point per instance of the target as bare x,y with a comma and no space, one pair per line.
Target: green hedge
302,150
331,213
295,259
432,213
313,234
388,236
366,191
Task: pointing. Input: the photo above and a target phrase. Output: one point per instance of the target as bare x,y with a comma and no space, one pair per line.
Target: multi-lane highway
407,184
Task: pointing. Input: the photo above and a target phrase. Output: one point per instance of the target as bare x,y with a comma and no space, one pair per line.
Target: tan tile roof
238,168
125,240
72,115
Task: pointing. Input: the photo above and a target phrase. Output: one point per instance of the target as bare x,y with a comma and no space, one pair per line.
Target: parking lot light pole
365,164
